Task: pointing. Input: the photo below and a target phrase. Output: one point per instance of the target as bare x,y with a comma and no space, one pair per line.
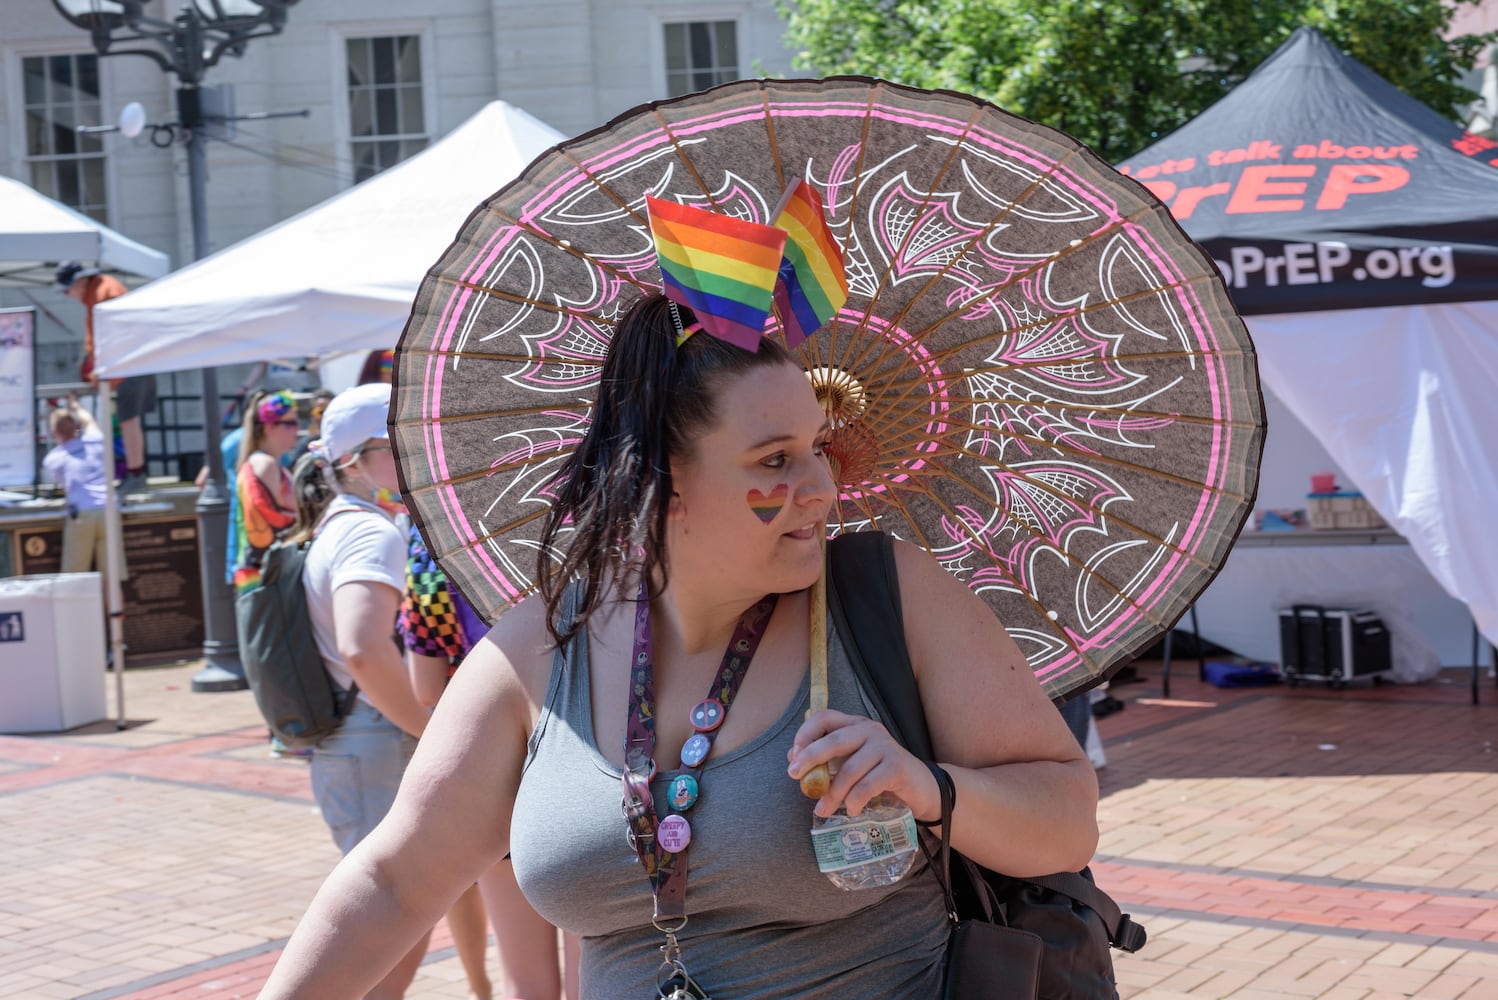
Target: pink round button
674,834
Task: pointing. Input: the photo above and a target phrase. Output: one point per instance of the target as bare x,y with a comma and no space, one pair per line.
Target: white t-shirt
363,546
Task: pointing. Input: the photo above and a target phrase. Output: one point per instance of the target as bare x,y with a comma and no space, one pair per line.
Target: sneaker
279,749
135,482
1106,706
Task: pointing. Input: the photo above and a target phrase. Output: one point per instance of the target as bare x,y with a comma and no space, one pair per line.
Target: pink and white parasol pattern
1037,376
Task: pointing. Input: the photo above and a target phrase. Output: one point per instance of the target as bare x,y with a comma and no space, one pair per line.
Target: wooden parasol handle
816,782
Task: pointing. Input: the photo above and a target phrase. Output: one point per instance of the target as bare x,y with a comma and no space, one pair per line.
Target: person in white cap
347,499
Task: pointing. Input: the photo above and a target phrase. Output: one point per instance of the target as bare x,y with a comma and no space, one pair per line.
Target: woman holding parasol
689,447
1020,339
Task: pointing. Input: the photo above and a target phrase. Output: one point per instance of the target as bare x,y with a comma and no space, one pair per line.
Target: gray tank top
762,920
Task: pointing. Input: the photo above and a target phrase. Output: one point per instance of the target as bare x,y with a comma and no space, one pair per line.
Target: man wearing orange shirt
134,396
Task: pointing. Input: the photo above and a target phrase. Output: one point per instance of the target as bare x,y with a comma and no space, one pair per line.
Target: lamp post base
222,670
215,678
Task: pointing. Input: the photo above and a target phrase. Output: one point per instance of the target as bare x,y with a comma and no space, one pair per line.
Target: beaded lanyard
662,845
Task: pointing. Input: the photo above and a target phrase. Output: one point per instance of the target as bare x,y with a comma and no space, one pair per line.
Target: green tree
1119,74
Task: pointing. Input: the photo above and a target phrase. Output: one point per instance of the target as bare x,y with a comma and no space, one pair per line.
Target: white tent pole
114,549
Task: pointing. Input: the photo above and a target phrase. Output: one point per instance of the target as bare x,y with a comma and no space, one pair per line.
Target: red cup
1324,482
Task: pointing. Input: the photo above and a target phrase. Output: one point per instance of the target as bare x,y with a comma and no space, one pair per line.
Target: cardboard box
1341,511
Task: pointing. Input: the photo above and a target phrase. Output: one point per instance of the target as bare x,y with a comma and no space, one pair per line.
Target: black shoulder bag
1074,921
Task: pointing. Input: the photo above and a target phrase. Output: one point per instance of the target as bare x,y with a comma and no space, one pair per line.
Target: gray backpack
293,690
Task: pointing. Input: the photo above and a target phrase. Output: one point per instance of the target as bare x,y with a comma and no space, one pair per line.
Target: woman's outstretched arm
450,823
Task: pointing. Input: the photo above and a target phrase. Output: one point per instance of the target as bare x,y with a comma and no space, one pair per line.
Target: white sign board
17,397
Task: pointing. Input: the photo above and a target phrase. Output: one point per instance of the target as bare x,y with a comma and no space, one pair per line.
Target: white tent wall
1291,455
1237,610
1403,400
1427,626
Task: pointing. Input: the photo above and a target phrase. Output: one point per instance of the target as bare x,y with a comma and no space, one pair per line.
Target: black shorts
135,396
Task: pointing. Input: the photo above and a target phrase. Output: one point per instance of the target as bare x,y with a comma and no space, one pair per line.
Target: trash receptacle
51,652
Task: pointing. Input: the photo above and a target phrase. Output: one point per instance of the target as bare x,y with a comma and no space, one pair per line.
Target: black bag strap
863,597
1123,933
941,862
344,704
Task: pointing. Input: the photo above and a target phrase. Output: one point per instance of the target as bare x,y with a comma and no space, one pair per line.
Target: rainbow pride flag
811,286
723,269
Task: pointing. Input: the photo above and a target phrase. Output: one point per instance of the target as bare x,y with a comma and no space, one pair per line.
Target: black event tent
1358,233
1316,184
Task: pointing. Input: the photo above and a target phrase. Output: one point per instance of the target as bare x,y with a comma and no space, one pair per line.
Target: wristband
942,779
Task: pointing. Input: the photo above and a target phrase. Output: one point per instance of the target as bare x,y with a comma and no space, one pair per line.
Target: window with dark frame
387,117
700,54
61,92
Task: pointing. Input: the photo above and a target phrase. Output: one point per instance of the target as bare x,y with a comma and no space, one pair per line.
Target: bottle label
863,841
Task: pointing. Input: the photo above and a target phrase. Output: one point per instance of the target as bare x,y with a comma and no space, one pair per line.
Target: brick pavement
1305,843
1277,843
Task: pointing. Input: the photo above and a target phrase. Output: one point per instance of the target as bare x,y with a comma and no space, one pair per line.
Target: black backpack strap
1123,933
863,597
343,700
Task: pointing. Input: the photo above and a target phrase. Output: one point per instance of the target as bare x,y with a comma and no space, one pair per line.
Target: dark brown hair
654,400
312,483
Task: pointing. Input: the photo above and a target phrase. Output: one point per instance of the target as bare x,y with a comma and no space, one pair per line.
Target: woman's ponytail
607,527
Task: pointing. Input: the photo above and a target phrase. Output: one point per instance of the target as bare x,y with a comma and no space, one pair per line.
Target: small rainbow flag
811,286
723,269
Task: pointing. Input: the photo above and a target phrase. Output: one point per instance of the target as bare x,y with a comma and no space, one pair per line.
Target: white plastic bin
51,652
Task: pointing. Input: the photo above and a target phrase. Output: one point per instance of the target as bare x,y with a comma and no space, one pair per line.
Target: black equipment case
1332,645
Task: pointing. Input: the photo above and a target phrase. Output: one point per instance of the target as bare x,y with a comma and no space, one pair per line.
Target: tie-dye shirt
258,522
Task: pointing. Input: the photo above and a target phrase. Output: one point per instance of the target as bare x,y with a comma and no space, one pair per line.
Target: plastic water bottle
875,848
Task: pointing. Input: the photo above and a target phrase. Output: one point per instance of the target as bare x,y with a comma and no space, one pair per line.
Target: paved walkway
1277,843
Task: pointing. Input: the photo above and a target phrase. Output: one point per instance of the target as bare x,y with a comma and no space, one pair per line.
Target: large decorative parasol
1037,375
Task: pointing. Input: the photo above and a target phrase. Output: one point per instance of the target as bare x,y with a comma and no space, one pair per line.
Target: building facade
362,83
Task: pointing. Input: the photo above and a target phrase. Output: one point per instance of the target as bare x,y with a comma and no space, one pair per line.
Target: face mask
388,500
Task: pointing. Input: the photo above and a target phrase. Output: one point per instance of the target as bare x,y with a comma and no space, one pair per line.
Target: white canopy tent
338,277
37,233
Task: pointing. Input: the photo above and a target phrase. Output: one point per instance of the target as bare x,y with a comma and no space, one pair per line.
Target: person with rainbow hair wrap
266,505
379,367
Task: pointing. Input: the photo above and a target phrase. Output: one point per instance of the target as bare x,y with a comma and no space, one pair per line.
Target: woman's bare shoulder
521,639
939,610
262,464
925,583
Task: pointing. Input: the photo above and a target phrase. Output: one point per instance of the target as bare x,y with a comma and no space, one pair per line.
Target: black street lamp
188,45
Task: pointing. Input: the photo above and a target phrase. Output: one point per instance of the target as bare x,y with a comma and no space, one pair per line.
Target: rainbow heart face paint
768,507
